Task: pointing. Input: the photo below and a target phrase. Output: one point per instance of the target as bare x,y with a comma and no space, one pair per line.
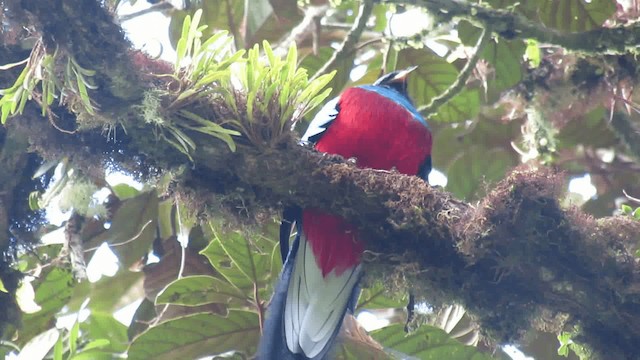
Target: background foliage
200,282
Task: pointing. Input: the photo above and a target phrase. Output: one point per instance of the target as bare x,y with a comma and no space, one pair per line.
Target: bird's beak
402,74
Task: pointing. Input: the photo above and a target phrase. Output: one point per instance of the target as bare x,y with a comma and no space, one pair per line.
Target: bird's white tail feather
315,305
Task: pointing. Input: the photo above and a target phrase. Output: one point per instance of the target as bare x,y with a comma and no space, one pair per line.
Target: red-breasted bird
379,126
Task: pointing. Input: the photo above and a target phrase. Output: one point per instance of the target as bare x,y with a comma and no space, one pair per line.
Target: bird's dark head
396,80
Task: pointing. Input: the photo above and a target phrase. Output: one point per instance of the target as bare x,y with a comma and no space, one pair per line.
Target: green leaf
132,229
427,343
200,290
626,209
40,345
244,261
52,293
565,15
582,130
198,335
106,294
475,167
73,337
256,14
96,344
575,15
144,315
124,191
433,76
58,349
506,56
103,326
533,53
376,296
2,287
636,213
95,355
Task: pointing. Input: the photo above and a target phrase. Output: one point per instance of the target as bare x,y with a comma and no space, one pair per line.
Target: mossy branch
614,40
97,42
512,258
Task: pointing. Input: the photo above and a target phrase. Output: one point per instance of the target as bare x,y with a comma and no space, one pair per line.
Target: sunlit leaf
52,293
243,260
103,326
199,290
476,167
376,296
565,15
433,76
198,335
132,229
38,347
426,343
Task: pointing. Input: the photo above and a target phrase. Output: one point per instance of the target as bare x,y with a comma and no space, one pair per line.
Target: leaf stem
462,78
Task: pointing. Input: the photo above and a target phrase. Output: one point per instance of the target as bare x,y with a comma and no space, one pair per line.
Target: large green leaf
506,56
427,343
216,14
376,296
476,167
105,326
52,293
107,293
269,20
433,76
564,15
200,290
451,142
38,347
132,229
592,129
198,335
244,261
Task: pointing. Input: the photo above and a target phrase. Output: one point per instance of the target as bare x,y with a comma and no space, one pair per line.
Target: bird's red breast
381,134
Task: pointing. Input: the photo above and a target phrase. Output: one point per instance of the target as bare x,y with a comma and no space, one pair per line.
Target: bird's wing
321,121
425,169
315,306
290,215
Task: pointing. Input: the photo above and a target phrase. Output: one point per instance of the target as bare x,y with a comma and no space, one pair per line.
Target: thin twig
155,7
304,29
462,78
350,41
123,242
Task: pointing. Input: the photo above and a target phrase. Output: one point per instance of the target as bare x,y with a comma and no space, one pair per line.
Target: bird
378,126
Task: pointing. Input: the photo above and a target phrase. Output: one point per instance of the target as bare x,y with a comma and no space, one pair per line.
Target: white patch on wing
322,120
315,305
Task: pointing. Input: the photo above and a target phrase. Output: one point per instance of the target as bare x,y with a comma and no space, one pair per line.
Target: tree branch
161,6
97,43
366,7
615,40
462,78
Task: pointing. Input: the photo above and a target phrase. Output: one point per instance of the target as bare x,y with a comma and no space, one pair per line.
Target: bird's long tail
306,310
